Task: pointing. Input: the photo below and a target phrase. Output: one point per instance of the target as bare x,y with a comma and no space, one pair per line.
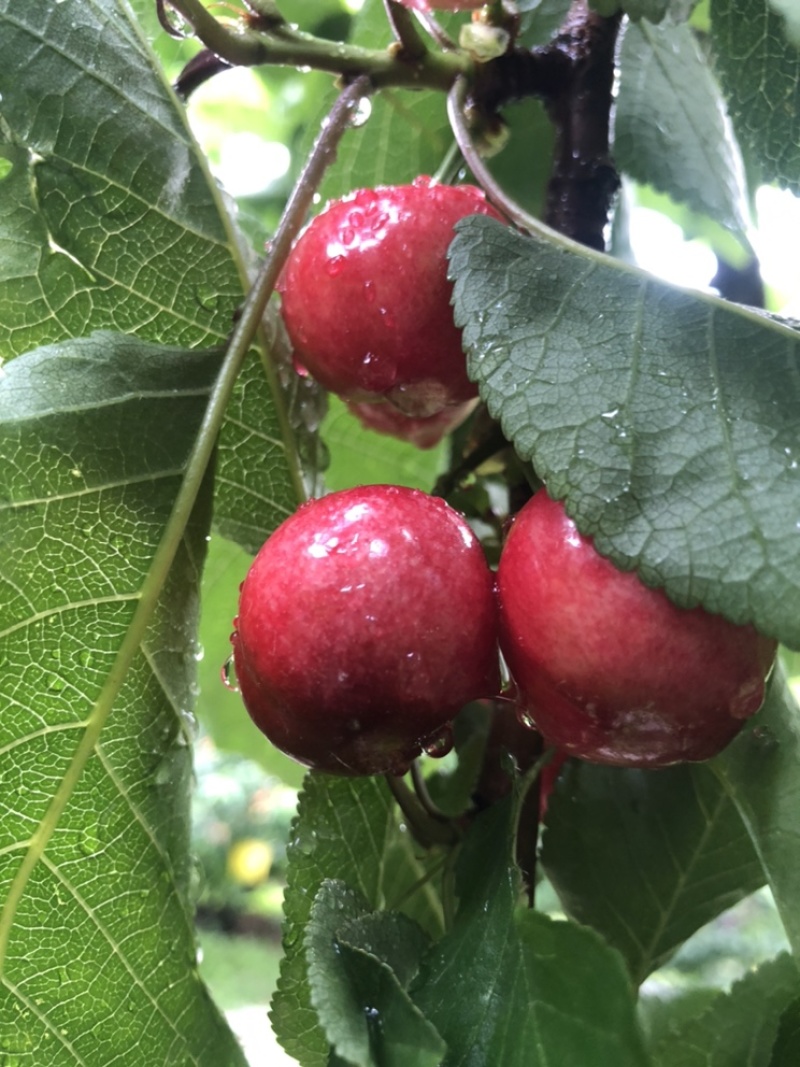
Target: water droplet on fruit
524,718
441,744
228,672
369,292
335,265
389,321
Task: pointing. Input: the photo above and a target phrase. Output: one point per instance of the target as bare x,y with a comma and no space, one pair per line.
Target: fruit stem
493,443
424,797
427,830
526,823
412,47
283,45
456,102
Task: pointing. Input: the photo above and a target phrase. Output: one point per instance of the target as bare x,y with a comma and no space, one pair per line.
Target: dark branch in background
584,179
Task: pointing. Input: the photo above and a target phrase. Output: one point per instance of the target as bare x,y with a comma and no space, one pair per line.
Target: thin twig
242,45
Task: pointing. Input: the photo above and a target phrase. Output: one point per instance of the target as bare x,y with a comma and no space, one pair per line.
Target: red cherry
366,621
423,432
608,669
366,299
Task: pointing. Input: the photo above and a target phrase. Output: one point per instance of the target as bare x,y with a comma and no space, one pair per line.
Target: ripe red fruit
423,432
609,669
365,623
366,300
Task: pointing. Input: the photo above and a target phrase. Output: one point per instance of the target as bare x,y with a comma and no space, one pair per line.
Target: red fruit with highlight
366,299
608,669
366,621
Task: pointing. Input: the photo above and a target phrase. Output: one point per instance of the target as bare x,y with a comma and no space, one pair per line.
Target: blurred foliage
240,827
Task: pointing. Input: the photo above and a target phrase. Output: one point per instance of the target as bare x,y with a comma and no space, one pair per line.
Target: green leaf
661,416
407,133
759,69
412,879
105,224
220,709
653,10
788,9
670,127
342,830
360,456
360,963
759,772
786,1050
510,986
96,767
679,855
541,19
739,1027
109,221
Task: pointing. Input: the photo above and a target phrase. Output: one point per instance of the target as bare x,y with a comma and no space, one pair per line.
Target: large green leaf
668,420
759,772
786,1050
677,857
97,956
759,69
670,127
739,1028
510,986
108,220
342,831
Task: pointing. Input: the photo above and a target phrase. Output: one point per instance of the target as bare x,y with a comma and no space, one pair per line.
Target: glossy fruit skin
423,433
367,620
366,299
609,669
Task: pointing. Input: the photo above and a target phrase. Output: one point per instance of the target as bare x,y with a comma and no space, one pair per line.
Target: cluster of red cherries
371,617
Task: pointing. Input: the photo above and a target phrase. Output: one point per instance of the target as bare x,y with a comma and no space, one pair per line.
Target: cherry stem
402,23
424,797
165,23
495,442
456,103
427,830
526,823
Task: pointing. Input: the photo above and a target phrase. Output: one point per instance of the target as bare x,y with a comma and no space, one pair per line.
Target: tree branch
584,179
283,45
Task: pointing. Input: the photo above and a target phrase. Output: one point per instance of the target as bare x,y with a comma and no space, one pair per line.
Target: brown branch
584,180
